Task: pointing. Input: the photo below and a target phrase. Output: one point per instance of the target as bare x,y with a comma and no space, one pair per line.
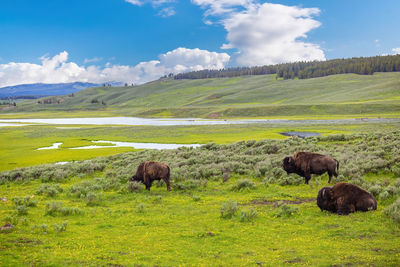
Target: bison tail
168,173
337,166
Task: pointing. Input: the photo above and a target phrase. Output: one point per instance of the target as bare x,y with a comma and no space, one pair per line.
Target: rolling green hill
244,96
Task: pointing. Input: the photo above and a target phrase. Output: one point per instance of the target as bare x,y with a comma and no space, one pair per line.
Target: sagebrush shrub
60,227
248,215
229,209
393,211
375,190
93,199
286,210
57,208
196,198
243,184
140,207
50,190
134,186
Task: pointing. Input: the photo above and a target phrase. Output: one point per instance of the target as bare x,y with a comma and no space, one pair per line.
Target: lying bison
344,198
307,163
149,171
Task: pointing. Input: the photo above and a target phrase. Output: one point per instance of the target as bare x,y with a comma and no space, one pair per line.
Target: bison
307,163
344,198
149,171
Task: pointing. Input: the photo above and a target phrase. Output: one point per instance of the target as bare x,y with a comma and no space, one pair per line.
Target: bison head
324,199
288,165
136,178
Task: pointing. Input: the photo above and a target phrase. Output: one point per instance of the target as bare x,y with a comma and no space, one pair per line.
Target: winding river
183,121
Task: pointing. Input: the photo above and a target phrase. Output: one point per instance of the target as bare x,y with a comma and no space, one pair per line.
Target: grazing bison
307,163
149,171
344,198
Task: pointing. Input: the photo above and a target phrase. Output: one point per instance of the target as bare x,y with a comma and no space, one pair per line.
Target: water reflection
126,144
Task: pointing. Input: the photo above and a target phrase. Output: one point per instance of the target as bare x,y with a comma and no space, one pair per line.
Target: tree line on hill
305,70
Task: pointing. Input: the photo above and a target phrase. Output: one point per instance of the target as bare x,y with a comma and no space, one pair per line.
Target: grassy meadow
18,145
230,204
246,96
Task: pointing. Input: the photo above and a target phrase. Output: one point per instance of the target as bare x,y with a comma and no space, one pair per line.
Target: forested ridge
305,70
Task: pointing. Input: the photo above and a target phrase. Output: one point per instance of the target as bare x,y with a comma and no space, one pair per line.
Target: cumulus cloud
164,12
135,2
266,33
91,60
220,7
396,50
58,70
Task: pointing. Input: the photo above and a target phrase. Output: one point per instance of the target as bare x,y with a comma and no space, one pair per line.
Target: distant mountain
43,89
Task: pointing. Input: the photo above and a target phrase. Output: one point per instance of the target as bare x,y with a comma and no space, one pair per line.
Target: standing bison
307,163
344,198
149,171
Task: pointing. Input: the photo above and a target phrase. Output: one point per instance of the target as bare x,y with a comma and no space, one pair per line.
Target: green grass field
247,96
88,214
231,203
18,145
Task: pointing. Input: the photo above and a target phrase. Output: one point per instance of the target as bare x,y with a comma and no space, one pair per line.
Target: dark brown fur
344,198
149,171
307,163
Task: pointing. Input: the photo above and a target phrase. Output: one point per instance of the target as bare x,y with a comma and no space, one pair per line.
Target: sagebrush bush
81,190
49,190
93,199
190,184
22,204
393,211
375,190
140,208
243,184
28,201
134,186
57,208
286,210
229,209
196,198
248,215
41,227
60,227
22,209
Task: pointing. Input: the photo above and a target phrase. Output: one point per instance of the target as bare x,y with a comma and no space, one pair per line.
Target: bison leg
148,185
166,180
330,177
307,176
344,208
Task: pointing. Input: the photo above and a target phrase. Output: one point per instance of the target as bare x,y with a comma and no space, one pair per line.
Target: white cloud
220,7
396,50
164,12
154,3
58,70
135,2
91,60
266,33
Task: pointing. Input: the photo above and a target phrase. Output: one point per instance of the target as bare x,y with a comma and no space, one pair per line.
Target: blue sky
139,40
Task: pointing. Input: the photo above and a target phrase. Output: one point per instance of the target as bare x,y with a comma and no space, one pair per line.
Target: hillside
244,96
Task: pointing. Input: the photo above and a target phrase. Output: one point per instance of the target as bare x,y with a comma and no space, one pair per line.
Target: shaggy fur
344,198
307,163
149,171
